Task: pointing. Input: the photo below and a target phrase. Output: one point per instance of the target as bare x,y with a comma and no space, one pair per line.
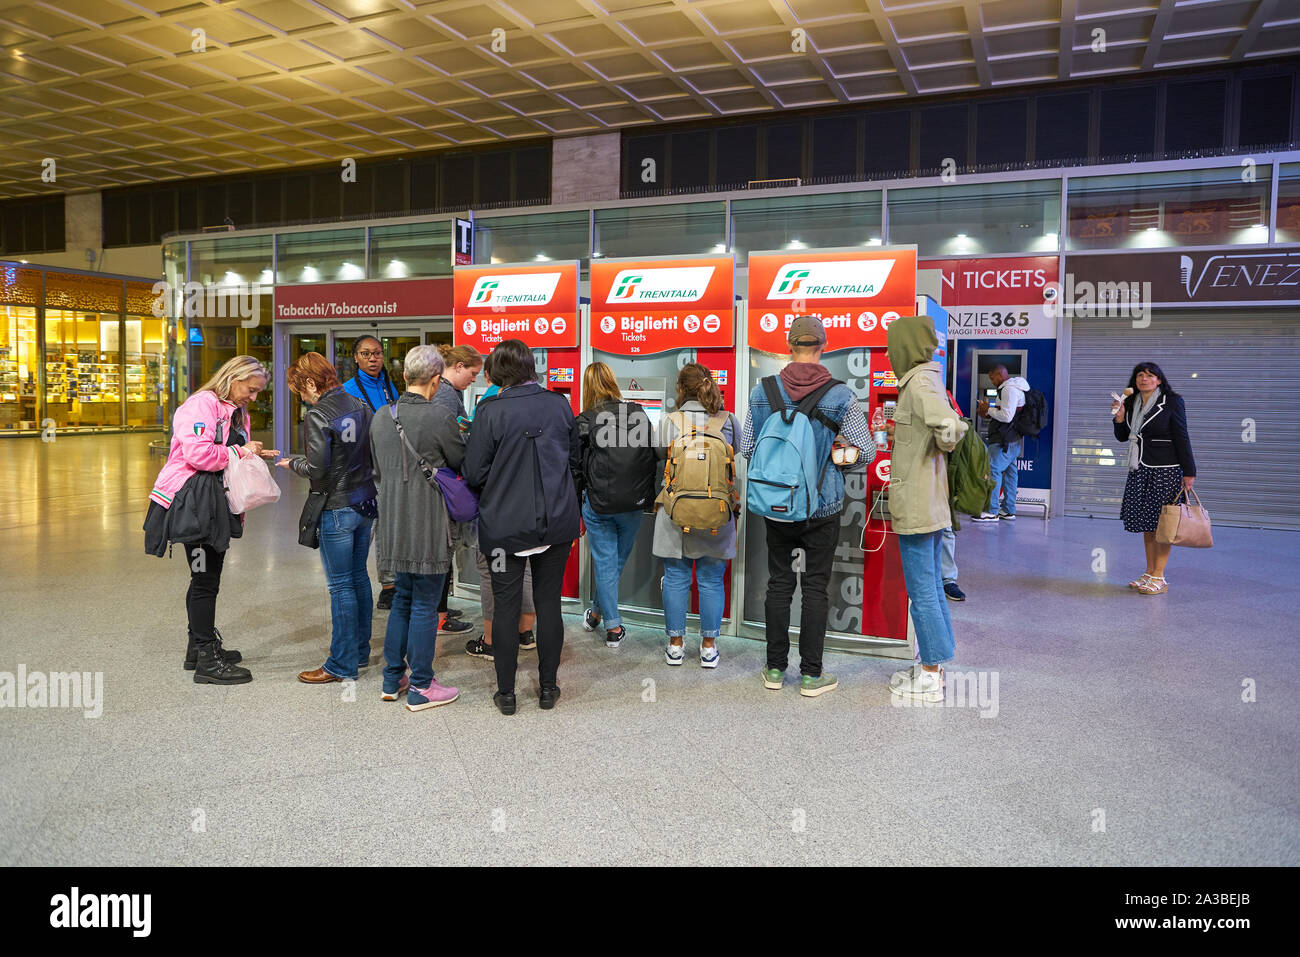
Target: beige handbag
1185,524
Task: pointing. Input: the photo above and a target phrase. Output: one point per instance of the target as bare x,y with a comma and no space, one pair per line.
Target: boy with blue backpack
792,424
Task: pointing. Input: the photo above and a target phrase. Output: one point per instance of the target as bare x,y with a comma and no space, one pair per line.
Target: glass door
339,345
300,343
394,344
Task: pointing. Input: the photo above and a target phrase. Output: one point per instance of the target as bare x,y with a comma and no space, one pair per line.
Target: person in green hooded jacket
925,429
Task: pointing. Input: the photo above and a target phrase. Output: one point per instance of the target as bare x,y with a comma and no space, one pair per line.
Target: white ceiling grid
114,93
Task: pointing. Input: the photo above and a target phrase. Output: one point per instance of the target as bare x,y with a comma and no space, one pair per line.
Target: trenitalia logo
518,289
841,279
670,284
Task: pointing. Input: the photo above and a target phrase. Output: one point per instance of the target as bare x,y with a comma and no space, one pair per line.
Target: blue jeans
412,629
1006,477
677,594
344,545
924,577
610,538
948,555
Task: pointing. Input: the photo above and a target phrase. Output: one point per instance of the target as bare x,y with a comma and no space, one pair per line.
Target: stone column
586,168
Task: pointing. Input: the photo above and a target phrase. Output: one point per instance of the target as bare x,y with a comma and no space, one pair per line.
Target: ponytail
696,382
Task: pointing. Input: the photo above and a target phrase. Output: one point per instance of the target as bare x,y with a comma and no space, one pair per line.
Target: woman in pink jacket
188,505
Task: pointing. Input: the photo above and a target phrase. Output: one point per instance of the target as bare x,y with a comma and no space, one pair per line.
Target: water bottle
878,428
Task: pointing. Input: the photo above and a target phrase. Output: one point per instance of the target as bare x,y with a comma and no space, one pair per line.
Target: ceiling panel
291,81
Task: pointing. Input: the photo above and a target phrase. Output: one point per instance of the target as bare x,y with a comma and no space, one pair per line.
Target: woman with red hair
336,435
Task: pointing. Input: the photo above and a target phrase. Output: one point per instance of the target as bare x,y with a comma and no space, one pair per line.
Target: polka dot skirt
1145,493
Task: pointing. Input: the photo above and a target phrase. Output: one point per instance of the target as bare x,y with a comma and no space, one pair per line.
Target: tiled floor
1111,709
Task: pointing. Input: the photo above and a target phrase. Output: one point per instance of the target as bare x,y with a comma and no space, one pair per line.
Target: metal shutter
1229,365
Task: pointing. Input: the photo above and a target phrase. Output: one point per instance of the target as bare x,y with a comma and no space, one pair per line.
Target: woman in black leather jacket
336,435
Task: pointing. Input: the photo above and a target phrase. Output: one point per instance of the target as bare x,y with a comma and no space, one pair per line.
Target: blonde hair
599,386
233,370
467,356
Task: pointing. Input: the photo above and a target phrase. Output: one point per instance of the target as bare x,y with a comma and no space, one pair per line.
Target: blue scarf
374,385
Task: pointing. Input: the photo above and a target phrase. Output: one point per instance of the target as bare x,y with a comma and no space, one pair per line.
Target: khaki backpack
699,476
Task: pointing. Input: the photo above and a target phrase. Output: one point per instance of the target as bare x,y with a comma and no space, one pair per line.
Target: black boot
212,669
192,652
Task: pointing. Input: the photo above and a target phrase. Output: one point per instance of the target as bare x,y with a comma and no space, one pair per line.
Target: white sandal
1154,585
1139,582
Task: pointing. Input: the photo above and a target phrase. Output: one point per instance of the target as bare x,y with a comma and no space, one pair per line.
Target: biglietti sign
1269,276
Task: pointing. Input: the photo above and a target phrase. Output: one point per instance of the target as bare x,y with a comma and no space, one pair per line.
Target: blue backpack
784,478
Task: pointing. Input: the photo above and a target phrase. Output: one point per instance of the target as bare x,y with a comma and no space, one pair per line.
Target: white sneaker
985,517
905,675
926,685
675,654
708,657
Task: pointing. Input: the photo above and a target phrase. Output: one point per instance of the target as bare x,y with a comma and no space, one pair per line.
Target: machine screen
654,408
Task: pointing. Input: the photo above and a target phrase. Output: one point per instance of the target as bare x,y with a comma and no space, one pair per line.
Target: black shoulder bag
312,510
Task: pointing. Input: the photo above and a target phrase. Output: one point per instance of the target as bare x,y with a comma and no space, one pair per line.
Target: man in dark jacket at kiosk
522,458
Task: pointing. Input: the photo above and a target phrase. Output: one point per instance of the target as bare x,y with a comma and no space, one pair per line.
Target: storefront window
976,219
795,222
178,375
327,255
1193,207
18,368
211,342
517,239
146,358
231,260
83,369
414,249
1288,204
676,230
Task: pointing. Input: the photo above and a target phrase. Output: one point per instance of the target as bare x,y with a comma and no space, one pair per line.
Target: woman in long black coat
523,459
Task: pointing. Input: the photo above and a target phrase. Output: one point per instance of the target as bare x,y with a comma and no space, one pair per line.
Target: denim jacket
837,404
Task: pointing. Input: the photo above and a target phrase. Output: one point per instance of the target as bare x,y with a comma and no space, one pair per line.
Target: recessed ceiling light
961,235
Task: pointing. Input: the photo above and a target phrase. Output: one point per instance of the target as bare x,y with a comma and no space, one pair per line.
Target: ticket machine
884,598
857,293
648,319
537,304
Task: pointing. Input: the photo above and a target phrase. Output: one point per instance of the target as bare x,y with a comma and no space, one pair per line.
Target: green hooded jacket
925,427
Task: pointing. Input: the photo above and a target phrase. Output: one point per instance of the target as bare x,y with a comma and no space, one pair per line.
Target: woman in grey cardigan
415,533
698,399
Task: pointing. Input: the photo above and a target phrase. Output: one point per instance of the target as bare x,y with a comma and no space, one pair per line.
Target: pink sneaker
394,695
417,699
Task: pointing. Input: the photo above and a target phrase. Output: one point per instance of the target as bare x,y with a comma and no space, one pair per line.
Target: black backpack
619,475
1031,418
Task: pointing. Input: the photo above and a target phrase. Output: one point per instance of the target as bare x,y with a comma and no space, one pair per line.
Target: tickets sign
536,303
998,298
643,306
857,293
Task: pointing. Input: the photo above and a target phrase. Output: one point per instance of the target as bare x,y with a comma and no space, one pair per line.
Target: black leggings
201,600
